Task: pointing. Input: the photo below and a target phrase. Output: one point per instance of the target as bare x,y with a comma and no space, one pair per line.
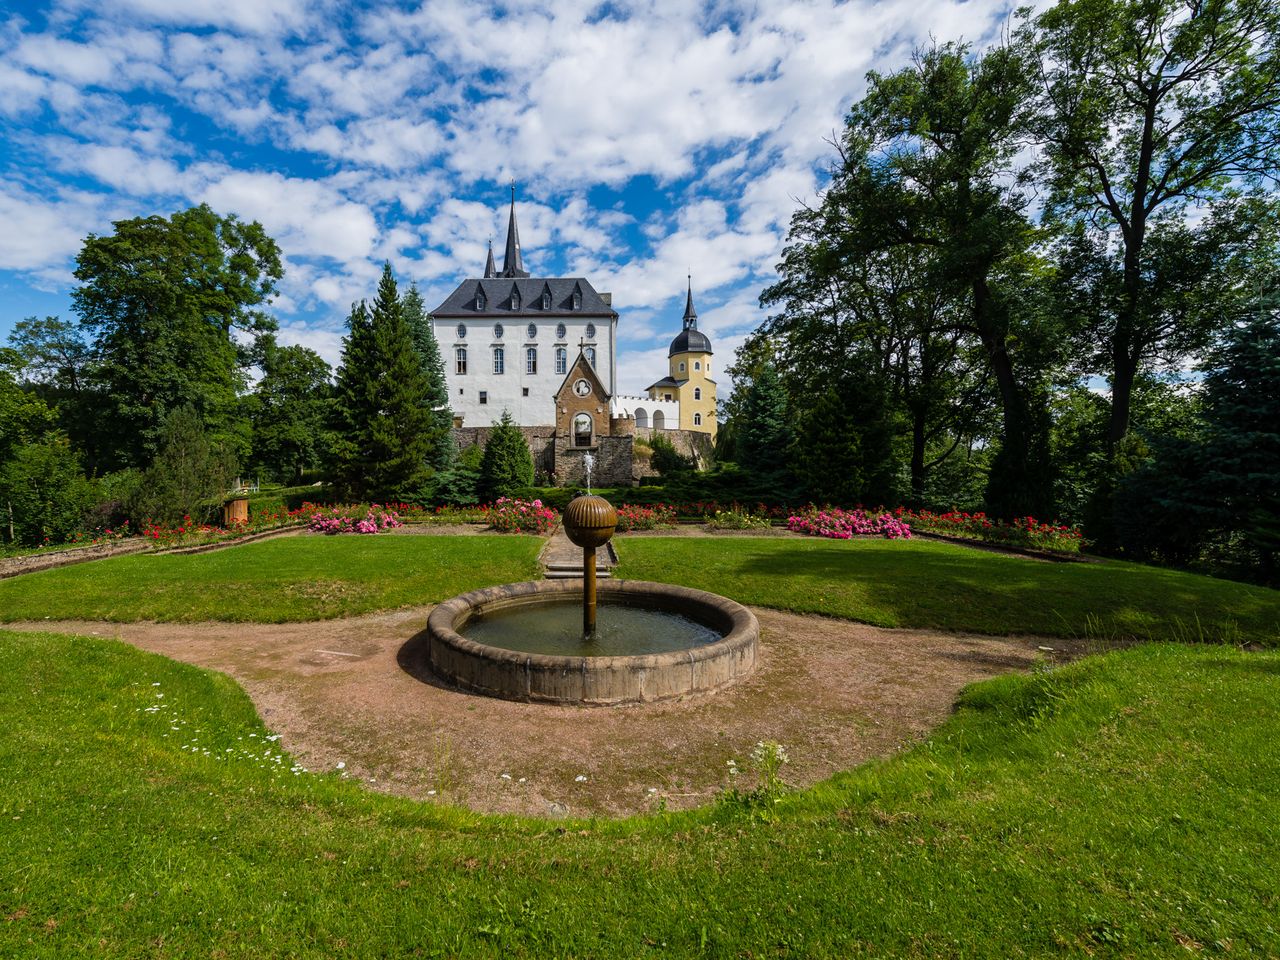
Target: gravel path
834,693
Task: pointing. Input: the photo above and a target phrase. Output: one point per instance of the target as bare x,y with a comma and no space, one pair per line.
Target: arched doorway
642,417
659,421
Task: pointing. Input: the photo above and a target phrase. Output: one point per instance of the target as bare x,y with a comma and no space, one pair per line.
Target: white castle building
508,339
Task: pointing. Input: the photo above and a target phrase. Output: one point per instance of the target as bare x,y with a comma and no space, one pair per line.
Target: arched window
697,365
642,417
562,360
462,331
591,331
582,430
532,332
530,359
659,421
497,331
682,366
590,353
697,393
460,359
697,419
515,299
499,360
560,330
546,299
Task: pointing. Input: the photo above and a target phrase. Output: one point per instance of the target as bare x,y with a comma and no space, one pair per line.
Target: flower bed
1024,532
357,518
836,524
635,517
738,518
521,516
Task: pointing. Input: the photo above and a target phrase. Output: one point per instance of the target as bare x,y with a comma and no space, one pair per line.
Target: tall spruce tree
507,463
436,401
382,421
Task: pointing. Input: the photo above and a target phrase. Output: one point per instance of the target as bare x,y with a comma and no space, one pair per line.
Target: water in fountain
556,629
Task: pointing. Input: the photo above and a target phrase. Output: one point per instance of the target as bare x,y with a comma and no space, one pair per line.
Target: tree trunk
917,456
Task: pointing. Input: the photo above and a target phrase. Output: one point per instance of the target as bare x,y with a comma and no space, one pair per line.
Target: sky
647,141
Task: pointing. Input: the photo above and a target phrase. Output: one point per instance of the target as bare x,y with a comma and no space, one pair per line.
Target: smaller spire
690,315
490,270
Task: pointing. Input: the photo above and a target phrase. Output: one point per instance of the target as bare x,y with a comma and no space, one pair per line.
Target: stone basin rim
553,678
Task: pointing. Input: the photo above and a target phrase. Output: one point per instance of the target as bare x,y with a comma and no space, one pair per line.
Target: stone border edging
227,544
16,566
1003,548
592,681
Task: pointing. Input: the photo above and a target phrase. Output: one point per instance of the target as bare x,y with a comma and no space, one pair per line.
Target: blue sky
647,140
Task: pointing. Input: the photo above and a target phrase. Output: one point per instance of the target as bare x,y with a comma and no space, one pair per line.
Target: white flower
342,765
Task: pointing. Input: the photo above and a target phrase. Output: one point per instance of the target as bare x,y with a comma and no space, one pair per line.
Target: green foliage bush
44,495
188,477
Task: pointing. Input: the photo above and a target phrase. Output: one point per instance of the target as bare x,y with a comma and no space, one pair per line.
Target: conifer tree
440,436
383,423
507,464
764,432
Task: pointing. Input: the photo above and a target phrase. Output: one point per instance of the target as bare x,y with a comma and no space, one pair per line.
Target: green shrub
507,465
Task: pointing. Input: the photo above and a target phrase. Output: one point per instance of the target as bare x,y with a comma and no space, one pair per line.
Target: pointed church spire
512,262
489,269
690,315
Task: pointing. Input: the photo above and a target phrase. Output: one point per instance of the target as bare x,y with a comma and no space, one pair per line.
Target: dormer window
480,301
515,299
546,299
577,300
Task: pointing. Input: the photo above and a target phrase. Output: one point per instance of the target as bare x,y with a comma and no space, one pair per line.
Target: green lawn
921,583
274,581
1123,806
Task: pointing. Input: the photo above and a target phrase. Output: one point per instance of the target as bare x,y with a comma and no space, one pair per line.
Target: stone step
571,575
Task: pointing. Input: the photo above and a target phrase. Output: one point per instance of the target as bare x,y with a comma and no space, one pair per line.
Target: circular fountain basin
522,641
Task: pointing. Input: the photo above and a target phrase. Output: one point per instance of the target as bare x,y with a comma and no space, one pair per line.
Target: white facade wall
507,390
643,409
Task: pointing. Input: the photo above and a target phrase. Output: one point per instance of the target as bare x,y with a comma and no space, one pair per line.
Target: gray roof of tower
497,294
690,340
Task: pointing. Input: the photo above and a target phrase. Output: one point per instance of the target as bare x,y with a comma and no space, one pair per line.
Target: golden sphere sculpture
589,521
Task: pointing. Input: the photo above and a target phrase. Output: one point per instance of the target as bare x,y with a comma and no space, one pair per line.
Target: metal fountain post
589,522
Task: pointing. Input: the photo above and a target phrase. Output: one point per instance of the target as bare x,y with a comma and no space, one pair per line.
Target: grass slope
274,581
1121,806
920,583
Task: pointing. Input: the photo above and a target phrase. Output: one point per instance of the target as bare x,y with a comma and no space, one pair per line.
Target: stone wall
539,439
613,466
689,443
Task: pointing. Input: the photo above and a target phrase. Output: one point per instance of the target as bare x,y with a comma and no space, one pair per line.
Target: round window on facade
497,331
533,331
462,331
591,331
560,331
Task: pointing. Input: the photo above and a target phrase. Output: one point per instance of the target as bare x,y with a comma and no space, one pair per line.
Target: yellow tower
689,376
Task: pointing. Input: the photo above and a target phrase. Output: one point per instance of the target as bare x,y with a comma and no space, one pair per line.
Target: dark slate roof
497,292
691,340
667,382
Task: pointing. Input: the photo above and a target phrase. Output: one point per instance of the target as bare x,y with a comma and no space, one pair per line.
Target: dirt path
354,691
